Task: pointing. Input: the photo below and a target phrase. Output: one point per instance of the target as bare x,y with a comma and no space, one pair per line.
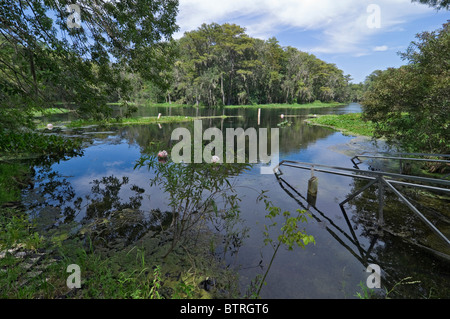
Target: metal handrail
405,158
377,177
377,174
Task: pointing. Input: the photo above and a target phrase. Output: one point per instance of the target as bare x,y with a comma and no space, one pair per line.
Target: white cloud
115,163
341,26
381,48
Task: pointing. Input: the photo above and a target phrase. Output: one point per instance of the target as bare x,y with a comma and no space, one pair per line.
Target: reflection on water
101,193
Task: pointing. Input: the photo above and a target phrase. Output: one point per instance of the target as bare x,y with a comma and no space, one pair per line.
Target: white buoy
49,126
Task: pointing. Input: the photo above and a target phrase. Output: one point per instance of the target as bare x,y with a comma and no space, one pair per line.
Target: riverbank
132,121
50,111
349,124
315,104
34,265
142,120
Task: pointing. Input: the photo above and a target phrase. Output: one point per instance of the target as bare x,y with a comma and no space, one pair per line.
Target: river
346,241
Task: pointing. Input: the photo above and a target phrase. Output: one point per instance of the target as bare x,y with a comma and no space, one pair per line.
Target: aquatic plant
44,147
291,235
194,190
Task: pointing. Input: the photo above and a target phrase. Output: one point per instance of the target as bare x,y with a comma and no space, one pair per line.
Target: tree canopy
409,105
438,4
221,64
45,59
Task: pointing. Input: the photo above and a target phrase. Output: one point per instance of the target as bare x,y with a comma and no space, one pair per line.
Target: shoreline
287,106
133,121
347,124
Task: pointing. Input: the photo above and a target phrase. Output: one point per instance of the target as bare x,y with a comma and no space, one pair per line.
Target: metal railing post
380,201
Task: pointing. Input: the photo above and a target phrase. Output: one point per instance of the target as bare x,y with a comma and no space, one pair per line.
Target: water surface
347,241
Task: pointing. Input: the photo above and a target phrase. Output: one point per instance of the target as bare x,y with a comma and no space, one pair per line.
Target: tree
213,65
438,4
45,59
221,64
410,105
356,91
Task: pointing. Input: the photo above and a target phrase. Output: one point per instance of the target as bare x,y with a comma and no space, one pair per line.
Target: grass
49,111
25,278
351,123
255,106
141,120
166,105
315,104
135,272
11,179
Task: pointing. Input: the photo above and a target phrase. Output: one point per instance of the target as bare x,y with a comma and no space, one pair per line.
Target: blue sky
359,36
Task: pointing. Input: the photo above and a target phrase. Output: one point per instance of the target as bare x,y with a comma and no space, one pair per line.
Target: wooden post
313,184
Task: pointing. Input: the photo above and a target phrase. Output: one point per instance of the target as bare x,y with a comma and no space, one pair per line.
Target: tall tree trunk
230,90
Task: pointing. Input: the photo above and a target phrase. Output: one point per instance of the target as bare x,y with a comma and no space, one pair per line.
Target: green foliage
221,65
156,284
16,230
33,147
348,123
366,293
438,4
194,191
410,105
11,181
291,236
356,92
315,104
183,290
48,111
44,60
140,120
43,146
403,281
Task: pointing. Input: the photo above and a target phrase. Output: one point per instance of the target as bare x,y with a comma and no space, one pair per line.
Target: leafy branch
291,235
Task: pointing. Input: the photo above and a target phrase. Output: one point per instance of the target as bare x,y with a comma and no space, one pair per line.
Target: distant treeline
221,65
